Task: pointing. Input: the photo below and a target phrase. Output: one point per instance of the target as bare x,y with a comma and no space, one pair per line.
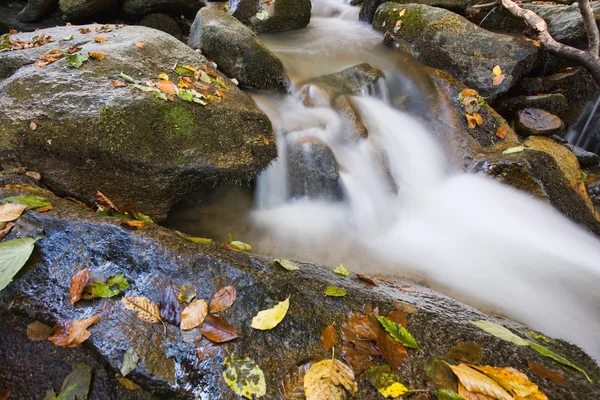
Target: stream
405,209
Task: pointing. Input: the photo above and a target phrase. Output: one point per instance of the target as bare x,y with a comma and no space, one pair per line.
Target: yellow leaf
244,377
478,118
146,310
468,395
10,212
129,385
512,380
326,379
163,76
477,382
402,12
269,319
236,244
497,70
194,314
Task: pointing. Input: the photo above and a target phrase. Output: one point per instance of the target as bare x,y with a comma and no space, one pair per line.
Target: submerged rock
238,52
169,364
271,17
175,8
36,9
534,121
442,39
127,143
164,23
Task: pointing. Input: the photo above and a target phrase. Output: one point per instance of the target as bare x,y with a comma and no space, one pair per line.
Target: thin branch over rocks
589,23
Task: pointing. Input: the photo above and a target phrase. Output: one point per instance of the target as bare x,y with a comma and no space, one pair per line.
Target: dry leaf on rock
291,386
131,223
217,329
44,209
97,55
4,231
244,377
145,309
270,318
468,395
166,87
38,331
466,352
119,84
78,282
9,212
513,380
329,338
99,39
139,44
72,334
129,385
477,382
365,278
104,201
557,377
498,80
194,314
327,379
223,299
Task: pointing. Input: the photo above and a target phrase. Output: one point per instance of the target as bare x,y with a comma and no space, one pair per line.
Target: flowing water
418,217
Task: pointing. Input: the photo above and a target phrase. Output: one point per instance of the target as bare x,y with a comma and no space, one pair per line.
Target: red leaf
365,278
78,282
217,329
329,338
223,299
554,376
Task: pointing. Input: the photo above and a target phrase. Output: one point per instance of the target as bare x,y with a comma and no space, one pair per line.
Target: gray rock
36,9
124,142
554,103
238,52
169,365
442,39
164,23
74,10
353,80
367,11
271,17
534,121
188,8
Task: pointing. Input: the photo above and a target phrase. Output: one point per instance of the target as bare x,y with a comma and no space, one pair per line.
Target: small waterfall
586,132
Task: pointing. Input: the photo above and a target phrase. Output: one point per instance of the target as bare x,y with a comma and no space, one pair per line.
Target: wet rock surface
534,121
442,39
553,102
272,17
169,366
238,52
575,84
124,142
369,7
353,80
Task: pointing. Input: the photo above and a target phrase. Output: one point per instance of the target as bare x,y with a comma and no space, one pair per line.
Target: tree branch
589,23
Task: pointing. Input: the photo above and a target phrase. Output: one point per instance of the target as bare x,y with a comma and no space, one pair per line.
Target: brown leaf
394,352
48,58
329,338
97,55
291,386
84,30
469,92
6,229
398,317
466,352
132,223
103,200
265,141
73,49
407,289
360,326
207,350
129,385
501,132
440,375
118,84
194,314
139,44
365,278
72,334
99,39
360,354
475,381
166,87
9,212
217,329
557,377
498,80
44,209
38,331
223,299
34,175
78,282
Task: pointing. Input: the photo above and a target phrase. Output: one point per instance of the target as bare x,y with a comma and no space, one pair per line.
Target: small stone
534,121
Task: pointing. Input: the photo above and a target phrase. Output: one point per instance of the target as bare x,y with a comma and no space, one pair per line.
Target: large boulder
183,365
367,11
74,10
9,20
36,9
238,52
175,8
271,16
442,39
83,135
164,23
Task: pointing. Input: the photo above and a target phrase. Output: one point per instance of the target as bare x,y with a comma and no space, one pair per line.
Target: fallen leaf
194,314
549,353
131,223
466,352
170,309
360,326
76,60
73,49
329,338
514,150
501,132
386,382
114,286
4,394
478,118
326,378
237,245
500,332
334,291
468,395
97,55
365,278
398,317
139,44
184,70
187,293
166,87
498,80
341,270
27,200
539,336
78,282
392,351
244,377
398,332
38,331
477,382
513,380
270,318
557,377
407,289
208,350
359,334
440,375
163,76
118,84
194,239
99,39
84,30
265,141
145,309
45,209
13,256
447,394
48,58
9,212
223,299
77,384
130,361
402,12
497,70
4,231
289,265
127,78
72,334
291,386
217,329
129,385
104,201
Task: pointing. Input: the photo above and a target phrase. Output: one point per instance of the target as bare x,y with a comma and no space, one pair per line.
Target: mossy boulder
367,11
271,17
442,39
164,23
169,365
129,144
175,8
74,10
238,52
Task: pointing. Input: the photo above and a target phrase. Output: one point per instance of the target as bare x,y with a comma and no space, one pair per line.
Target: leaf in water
478,118
170,309
27,200
365,278
386,382
236,244
194,314
499,331
76,60
466,352
195,239
129,385
514,381
329,338
341,270
447,394
187,293
223,299
327,379
145,309
477,382
291,386
513,150
72,333
549,353
393,351
217,329
557,377
334,291
441,375
77,384
244,377
398,317
78,282
468,395
270,318
10,212
289,265
13,256
130,361
38,331
5,231
398,332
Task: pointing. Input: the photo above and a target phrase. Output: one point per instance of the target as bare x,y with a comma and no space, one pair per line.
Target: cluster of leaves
194,85
472,102
9,44
498,76
85,285
131,217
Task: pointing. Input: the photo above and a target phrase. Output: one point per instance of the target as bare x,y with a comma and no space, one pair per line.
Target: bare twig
589,23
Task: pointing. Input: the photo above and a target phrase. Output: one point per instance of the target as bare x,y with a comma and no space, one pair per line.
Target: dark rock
313,170
238,52
575,84
585,158
36,9
354,80
553,103
534,121
367,12
175,8
441,39
593,188
169,366
164,23
343,105
271,17
128,144
74,10
9,20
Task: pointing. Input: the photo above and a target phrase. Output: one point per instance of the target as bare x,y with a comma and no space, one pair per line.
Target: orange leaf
167,87
554,376
129,385
498,79
103,200
72,334
217,329
266,141
329,338
407,289
119,84
78,282
469,92
133,224
97,55
471,121
99,39
478,118
398,317
84,30
501,132
6,229
223,299
45,209
139,44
